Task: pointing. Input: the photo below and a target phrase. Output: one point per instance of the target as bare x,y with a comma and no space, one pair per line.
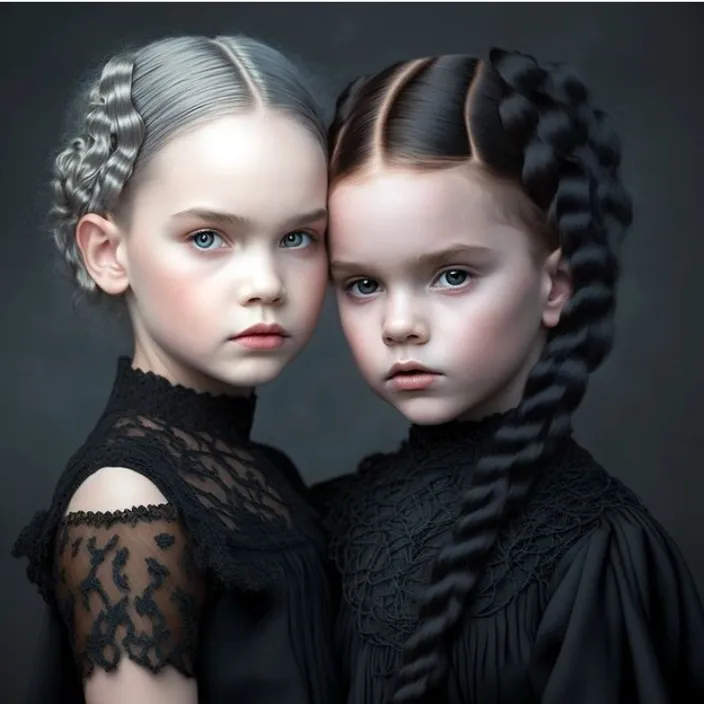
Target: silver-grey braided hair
143,98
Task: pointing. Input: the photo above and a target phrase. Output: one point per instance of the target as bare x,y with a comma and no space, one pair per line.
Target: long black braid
570,169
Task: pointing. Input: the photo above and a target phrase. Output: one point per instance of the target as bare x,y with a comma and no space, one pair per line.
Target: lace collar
154,396
454,435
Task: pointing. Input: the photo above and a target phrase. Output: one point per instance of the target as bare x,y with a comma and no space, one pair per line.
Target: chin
245,374
425,410
251,379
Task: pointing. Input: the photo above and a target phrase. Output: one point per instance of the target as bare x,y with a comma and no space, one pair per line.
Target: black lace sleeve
126,585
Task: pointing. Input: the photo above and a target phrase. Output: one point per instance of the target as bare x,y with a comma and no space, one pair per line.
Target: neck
149,358
152,396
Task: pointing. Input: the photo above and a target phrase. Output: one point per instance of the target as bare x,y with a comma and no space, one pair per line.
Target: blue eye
296,240
452,278
363,287
205,239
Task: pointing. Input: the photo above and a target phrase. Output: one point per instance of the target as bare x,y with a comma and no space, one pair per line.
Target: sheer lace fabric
126,584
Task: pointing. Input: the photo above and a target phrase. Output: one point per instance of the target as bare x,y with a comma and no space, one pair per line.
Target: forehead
261,165
401,212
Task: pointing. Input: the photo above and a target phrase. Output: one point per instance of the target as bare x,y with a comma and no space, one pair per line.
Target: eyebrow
451,253
429,259
223,218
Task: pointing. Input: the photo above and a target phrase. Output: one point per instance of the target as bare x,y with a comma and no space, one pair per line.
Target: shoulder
579,487
619,536
122,463
114,489
623,600
627,537
120,511
87,492
570,504
578,499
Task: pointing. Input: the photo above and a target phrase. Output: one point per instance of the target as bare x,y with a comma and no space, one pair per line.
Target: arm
128,592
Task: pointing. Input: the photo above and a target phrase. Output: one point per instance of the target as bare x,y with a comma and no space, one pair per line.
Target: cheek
306,281
362,331
167,284
504,322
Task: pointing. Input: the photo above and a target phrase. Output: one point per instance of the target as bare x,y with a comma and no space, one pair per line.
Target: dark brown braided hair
534,126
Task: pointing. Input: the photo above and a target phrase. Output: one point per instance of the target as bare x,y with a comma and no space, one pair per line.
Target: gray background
643,414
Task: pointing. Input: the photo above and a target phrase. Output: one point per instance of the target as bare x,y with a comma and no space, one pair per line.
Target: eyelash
311,237
192,239
348,288
456,269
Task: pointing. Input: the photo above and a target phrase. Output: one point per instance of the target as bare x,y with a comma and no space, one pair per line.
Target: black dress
226,582
584,598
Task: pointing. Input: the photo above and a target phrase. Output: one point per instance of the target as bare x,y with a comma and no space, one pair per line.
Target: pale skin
428,271
226,230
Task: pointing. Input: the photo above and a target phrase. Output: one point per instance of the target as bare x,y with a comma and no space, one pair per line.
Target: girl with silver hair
180,560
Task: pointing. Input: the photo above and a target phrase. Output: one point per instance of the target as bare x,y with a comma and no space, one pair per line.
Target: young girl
475,217
181,557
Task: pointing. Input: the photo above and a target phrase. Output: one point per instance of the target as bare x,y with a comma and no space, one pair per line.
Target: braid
569,168
90,174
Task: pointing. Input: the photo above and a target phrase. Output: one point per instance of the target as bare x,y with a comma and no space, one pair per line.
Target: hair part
532,129
145,98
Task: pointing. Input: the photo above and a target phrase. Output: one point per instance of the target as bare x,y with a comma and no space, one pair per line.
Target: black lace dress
226,582
584,599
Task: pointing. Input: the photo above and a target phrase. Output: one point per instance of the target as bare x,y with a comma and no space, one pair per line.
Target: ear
100,242
558,288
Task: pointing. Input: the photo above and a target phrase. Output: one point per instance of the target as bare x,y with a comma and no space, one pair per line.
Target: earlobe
99,241
558,281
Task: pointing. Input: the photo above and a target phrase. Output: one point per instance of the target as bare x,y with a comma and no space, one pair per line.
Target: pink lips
411,376
262,337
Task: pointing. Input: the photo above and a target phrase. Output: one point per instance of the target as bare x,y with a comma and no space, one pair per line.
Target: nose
404,324
261,285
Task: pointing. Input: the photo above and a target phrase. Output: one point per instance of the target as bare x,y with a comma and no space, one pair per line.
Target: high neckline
147,393
455,433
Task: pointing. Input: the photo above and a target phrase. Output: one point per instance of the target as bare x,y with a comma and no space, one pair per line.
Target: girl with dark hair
476,213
